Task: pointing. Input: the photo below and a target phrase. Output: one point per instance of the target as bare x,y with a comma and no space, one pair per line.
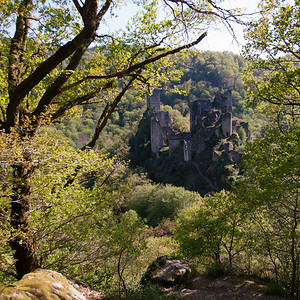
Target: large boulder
168,272
42,285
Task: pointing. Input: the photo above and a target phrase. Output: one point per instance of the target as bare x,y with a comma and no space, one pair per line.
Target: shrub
216,271
274,288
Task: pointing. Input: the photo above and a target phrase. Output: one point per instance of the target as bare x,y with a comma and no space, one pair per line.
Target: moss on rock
44,285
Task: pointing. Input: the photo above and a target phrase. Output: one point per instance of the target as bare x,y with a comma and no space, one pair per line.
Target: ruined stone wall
197,109
227,124
153,101
164,118
228,100
161,131
187,153
173,144
156,137
223,101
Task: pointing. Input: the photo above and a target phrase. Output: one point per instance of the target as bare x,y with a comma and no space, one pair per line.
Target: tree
60,57
271,180
272,51
158,202
212,228
68,213
270,190
126,243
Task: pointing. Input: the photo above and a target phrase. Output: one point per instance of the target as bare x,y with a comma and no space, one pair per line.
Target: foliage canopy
272,51
47,73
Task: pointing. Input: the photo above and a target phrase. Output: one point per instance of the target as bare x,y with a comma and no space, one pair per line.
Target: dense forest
80,191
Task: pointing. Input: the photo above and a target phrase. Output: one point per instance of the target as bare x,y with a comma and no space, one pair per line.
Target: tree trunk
120,273
22,241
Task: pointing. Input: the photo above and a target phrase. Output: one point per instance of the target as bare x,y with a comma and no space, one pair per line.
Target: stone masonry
204,115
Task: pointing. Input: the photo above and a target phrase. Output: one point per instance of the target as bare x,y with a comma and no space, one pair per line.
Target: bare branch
78,7
147,48
103,10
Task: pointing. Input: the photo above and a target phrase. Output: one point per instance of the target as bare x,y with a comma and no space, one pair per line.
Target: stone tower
228,101
227,124
223,101
160,123
227,117
153,101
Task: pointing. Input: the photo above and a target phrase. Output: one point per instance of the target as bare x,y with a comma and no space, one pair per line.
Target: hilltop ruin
209,119
205,159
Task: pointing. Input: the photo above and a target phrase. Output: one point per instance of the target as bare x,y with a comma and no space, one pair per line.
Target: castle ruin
160,124
208,117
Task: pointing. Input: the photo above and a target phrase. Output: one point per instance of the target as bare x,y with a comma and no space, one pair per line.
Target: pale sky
219,39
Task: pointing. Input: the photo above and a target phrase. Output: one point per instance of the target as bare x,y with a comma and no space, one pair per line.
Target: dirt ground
205,289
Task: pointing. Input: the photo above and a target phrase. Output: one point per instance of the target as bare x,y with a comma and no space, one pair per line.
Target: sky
218,38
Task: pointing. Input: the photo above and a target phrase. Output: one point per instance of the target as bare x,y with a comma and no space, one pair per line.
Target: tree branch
55,88
137,66
103,10
84,38
78,7
14,65
79,100
108,110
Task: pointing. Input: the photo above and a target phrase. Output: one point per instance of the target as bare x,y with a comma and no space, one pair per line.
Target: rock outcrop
41,285
167,272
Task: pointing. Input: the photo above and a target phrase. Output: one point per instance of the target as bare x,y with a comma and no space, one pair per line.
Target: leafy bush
270,192
149,292
242,135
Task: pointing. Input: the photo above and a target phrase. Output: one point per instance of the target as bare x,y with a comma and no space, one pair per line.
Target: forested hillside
202,75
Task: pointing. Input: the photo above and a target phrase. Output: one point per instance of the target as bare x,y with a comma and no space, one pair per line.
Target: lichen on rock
42,285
